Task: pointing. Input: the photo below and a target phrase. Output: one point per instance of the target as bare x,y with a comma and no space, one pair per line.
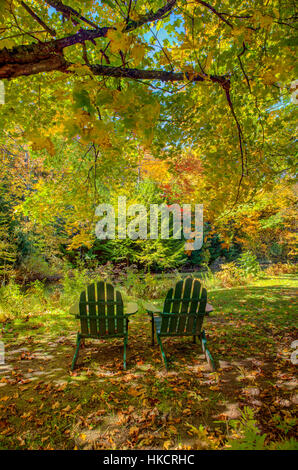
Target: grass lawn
99,406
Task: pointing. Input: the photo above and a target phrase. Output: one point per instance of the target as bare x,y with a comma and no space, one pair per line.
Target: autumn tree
93,84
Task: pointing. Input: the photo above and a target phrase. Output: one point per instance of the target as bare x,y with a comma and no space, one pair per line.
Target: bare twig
211,8
226,88
241,65
39,20
152,16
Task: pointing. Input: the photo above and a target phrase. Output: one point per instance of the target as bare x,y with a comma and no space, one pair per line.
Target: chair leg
76,352
124,352
162,351
209,358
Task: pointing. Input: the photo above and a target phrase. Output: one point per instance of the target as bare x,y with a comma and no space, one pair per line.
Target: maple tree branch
47,56
242,67
32,54
104,55
121,11
226,87
162,48
69,12
128,10
160,75
39,20
38,60
211,8
152,16
131,24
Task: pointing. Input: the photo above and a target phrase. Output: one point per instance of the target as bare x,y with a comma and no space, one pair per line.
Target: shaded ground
45,406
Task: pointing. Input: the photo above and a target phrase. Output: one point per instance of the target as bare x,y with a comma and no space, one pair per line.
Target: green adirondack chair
101,314
182,315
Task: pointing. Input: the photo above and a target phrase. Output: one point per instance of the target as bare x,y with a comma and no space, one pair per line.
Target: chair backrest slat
120,311
185,304
196,289
176,306
101,308
92,309
83,313
203,302
110,308
202,310
167,308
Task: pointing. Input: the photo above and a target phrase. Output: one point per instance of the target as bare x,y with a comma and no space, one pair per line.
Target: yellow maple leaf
138,52
41,143
119,40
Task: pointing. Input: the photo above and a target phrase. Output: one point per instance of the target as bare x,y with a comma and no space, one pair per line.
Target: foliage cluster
247,435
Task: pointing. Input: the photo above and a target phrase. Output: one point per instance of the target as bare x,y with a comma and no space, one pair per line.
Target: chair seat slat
99,302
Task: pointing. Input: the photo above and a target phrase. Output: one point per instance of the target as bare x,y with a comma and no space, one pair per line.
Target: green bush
35,265
73,283
249,264
12,299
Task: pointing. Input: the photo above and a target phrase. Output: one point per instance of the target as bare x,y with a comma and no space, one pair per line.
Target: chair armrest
131,308
208,309
151,308
75,309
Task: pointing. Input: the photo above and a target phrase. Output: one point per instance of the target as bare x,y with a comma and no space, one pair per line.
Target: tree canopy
93,86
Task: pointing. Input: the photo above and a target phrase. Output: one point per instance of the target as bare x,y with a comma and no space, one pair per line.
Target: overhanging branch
48,56
69,12
161,75
56,61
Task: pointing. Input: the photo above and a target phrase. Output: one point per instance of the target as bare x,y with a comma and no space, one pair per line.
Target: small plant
284,424
247,435
202,441
210,280
37,289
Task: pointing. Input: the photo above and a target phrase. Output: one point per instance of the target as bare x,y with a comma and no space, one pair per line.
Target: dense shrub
281,268
232,275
